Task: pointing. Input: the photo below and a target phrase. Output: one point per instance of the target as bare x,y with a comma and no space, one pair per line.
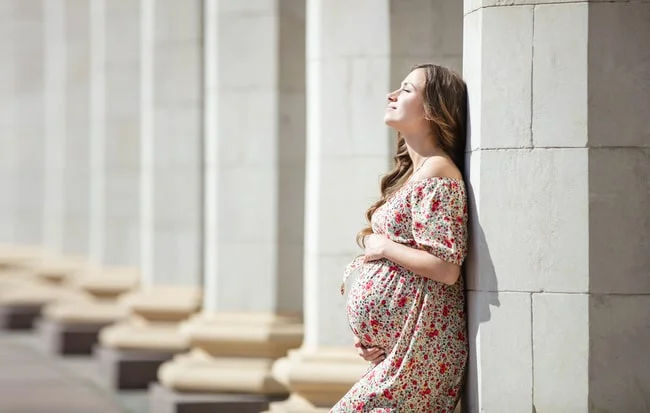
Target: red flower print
420,320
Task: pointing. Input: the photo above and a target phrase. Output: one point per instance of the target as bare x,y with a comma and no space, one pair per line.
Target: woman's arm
418,261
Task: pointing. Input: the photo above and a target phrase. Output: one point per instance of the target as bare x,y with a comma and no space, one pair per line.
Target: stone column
254,183
164,40
171,149
350,71
76,175
115,145
560,143
55,124
102,219
7,137
28,40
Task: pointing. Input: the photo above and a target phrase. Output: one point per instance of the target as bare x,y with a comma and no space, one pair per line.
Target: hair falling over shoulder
391,182
445,107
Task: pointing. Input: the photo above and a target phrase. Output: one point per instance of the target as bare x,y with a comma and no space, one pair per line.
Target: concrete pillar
28,39
153,79
115,131
7,136
560,154
76,188
350,71
55,124
171,148
254,183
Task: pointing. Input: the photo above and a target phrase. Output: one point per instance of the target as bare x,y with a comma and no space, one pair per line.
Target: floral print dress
419,322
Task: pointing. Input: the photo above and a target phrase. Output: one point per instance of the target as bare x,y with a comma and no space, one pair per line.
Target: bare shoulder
441,166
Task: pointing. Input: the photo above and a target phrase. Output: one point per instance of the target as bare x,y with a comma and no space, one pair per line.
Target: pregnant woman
407,307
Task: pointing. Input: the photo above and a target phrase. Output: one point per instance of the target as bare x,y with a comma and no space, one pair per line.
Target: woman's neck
420,149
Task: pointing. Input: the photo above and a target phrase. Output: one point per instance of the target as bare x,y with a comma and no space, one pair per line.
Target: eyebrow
408,83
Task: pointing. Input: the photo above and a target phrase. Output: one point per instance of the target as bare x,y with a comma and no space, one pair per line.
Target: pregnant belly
379,303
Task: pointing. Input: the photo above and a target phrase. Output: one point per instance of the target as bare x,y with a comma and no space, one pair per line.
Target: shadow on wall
481,284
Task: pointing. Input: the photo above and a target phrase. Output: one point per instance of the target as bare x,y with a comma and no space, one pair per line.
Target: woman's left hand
375,247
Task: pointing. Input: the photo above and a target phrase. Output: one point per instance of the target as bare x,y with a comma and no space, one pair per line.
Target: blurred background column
28,100
254,183
55,124
349,74
77,135
115,145
153,111
7,134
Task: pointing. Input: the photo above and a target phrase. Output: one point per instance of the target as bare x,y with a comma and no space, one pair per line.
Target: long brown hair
445,108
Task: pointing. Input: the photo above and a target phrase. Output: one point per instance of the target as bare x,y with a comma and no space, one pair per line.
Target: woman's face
405,109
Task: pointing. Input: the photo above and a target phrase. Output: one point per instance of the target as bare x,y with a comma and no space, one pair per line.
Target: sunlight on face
405,108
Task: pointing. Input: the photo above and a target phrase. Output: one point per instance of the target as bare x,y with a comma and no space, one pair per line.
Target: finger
379,359
372,356
371,350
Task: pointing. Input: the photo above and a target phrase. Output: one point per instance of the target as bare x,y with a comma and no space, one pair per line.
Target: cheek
413,110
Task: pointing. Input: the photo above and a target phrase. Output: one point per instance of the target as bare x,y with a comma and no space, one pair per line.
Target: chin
389,121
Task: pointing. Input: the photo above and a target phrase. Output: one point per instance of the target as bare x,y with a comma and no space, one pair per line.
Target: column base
107,283
18,317
165,400
129,369
63,339
233,353
72,328
318,378
60,270
131,351
22,303
20,256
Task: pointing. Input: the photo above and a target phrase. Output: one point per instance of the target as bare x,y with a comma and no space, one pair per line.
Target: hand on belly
375,355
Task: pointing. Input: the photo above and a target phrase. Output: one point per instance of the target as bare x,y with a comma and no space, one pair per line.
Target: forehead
417,77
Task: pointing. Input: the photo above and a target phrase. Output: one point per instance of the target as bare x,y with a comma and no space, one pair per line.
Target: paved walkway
32,381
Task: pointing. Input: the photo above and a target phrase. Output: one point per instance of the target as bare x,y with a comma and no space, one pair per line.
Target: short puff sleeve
439,218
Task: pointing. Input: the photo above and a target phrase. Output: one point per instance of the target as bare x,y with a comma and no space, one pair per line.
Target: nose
391,97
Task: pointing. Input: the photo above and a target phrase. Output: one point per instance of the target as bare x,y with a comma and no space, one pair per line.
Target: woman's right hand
375,355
